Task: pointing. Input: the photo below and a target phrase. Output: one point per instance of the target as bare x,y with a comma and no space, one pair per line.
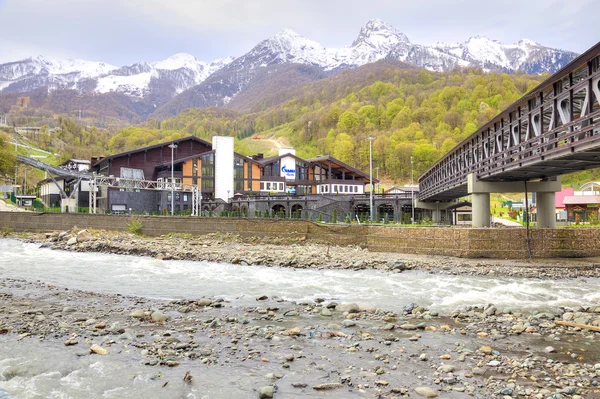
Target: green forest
410,112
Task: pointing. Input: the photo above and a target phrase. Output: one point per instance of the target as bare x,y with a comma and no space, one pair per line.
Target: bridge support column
481,210
546,210
480,191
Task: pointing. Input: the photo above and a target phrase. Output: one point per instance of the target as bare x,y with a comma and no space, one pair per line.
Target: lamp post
412,190
172,146
371,138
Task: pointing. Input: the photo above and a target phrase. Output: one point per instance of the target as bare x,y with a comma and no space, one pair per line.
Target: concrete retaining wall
462,242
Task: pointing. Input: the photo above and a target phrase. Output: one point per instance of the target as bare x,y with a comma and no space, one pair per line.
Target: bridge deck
551,131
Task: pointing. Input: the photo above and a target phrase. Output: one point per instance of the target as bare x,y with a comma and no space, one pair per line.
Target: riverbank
296,253
78,342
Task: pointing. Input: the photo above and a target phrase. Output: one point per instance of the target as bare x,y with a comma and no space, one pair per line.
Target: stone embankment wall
452,241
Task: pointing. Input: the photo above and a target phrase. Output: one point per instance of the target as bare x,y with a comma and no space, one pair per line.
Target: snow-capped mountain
525,55
180,72
199,83
378,40
35,72
175,74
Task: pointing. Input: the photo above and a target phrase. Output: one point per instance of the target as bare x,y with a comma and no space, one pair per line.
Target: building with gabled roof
219,173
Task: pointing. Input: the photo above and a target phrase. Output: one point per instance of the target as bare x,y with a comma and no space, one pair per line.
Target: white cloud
125,31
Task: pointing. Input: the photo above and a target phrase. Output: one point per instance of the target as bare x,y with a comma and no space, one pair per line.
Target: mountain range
181,81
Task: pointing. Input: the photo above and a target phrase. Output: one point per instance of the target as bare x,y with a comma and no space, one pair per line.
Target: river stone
326,312
97,349
204,302
348,323
549,349
137,314
350,308
158,316
490,311
426,392
328,386
266,392
84,236
408,326
448,368
72,241
408,308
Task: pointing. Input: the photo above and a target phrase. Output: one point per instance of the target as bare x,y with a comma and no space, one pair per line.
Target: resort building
174,169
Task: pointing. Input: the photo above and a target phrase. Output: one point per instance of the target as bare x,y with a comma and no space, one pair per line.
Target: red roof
560,197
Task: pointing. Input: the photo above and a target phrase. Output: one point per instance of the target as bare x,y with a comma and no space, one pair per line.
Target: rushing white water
142,276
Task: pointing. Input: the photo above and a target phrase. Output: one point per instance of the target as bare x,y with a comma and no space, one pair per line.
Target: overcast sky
122,32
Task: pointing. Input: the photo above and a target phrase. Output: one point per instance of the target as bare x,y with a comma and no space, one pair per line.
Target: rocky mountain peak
379,35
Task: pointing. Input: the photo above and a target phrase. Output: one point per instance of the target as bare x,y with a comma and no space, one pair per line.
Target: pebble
98,350
266,392
426,392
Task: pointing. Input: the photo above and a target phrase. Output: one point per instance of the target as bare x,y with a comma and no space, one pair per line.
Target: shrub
320,218
135,226
347,218
334,216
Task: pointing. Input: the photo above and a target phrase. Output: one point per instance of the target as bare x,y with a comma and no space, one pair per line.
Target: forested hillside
410,111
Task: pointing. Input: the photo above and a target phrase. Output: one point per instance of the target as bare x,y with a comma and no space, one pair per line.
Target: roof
581,199
404,188
459,205
590,186
560,197
164,143
177,161
265,161
329,158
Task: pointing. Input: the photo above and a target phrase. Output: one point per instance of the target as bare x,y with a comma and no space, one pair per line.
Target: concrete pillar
546,216
481,209
223,147
68,205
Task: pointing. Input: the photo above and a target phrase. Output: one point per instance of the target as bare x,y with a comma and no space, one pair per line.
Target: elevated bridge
551,131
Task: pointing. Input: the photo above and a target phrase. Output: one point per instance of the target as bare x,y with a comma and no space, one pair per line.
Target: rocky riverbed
308,349
55,340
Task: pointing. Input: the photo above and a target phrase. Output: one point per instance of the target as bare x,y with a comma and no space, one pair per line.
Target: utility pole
412,189
371,139
172,146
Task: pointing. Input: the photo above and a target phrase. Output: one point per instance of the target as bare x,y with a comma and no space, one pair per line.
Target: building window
177,196
194,167
262,185
238,168
185,197
207,184
238,185
208,165
355,189
169,197
268,186
280,186
335,190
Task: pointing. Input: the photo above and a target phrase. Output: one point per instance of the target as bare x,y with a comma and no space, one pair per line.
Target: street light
371,138
412,190
172,146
